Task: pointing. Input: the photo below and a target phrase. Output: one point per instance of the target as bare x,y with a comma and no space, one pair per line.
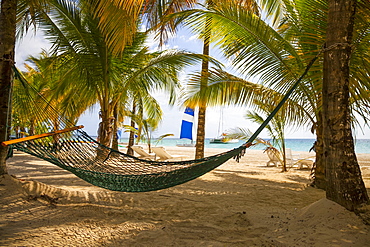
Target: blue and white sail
187,124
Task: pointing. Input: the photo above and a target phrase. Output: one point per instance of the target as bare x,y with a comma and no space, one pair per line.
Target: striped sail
187,124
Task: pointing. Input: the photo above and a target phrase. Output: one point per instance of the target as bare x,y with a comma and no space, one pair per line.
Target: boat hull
185,145
223,141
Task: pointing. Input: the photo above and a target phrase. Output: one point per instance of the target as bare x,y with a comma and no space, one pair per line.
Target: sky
218,119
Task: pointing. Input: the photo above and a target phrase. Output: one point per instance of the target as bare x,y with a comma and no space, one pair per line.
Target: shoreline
298,145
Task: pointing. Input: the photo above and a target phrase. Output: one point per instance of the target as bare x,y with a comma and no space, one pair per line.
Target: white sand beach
237,204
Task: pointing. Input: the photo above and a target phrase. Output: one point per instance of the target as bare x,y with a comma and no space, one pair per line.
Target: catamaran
222,138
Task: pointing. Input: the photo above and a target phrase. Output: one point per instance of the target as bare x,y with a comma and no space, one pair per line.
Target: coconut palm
7,41
118,19
344,182
145,110
98,75
206,36
276,128
279,57
42,77
45,76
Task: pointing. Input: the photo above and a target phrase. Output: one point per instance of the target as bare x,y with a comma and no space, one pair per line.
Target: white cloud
193,37
31,44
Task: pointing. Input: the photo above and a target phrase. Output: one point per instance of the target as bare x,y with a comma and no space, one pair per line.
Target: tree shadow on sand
222,207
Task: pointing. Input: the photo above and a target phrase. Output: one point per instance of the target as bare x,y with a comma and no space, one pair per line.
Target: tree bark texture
344,181
115,128
319,176
105,131
199,145
7,49
131,140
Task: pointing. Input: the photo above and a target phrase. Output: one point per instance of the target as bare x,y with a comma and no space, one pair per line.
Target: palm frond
118,21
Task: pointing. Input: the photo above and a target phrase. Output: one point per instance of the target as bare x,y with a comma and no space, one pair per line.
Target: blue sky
232,116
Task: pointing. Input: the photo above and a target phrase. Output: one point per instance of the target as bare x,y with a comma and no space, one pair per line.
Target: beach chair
162,154
142,153
296,161
274,157
305,163
291,159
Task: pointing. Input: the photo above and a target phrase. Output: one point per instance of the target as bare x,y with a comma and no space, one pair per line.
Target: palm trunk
115,129
139,133
149,143
105,131
284,157
7,48
344,182
199,146
131,140
319,172
31,130
56,127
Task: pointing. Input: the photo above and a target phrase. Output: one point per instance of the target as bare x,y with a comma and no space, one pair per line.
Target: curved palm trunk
344,182
7,48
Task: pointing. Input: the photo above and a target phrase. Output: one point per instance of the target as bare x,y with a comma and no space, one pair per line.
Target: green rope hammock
75,151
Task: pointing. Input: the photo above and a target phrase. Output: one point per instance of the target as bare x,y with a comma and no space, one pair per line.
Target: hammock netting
82,155
104,167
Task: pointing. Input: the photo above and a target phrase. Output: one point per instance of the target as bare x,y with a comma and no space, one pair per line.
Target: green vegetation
99,57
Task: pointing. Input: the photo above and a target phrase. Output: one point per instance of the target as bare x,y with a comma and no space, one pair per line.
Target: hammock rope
74,150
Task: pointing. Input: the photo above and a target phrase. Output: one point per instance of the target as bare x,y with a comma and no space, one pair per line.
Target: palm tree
44,73
12,13
118,19
344,183
100,76
279,57
276,128
147,127
7,41
34,114
146,112
206,36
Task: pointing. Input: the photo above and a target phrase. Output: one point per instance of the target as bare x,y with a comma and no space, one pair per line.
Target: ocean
361,145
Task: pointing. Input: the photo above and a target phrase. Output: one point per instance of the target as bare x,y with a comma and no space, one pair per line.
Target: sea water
361,145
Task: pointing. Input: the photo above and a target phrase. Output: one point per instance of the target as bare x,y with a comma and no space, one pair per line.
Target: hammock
72,149
99,165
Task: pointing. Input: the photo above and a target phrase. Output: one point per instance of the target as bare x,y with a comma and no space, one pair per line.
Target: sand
237,204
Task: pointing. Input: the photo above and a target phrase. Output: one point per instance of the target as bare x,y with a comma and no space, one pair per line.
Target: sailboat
222,139
186,132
